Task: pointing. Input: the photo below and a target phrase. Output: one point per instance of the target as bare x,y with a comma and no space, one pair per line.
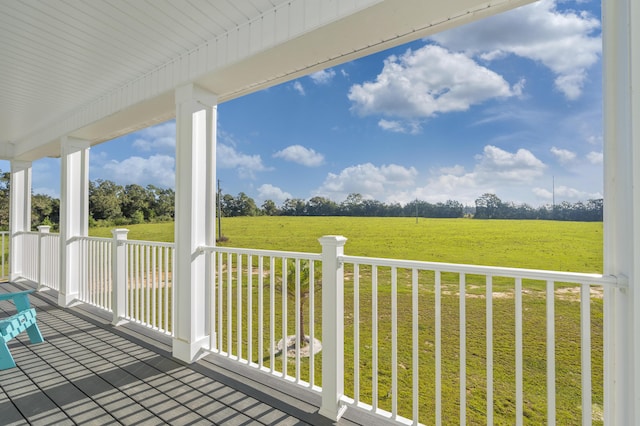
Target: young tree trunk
301,337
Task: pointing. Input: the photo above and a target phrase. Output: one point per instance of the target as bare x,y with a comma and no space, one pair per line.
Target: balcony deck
89,372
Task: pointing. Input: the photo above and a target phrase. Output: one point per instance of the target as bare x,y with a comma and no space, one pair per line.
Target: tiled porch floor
89,372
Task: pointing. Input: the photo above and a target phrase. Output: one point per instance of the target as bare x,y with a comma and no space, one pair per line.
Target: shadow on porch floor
89,372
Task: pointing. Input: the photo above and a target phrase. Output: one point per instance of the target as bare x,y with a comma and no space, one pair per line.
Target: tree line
487,206
111,204
353,205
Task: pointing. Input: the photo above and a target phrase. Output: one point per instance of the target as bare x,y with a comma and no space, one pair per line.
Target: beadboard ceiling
99,69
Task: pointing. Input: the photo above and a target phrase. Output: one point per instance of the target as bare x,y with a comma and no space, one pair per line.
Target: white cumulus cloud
497,164
157,170
247,165
563,155
567,42
456,170
495,171
301,155
565,193
270,192
411,127
576,194
370,181
542,193
425,82
158,137
297,86
594,140
595,157
323,77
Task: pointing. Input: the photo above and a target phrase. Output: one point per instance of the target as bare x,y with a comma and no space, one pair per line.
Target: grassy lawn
564,246
559,246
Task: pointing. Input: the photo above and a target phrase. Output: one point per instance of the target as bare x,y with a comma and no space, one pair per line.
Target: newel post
332,327
42,229
119,275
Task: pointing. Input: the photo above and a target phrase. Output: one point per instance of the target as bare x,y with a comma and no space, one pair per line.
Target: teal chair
23,320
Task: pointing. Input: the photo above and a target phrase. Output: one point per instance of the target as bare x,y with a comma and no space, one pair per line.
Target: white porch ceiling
97,70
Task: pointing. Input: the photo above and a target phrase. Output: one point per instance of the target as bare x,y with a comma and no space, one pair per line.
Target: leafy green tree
245,205
44,210
372,208
228,205
321,206
488,206
595,210
136,201
162,202
135,204
352,205
5,183
269,208
416,208
394,210
451,209
293,207
104,200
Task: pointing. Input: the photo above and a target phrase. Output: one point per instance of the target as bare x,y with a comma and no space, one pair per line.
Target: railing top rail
32,233
90,239
23,232
147,243
259,252
536,274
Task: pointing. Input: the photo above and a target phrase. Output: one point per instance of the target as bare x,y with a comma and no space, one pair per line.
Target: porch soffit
98,70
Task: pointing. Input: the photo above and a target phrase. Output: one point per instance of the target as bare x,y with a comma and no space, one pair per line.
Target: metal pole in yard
219,213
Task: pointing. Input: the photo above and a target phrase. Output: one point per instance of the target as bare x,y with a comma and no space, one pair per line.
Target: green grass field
564,246
559,246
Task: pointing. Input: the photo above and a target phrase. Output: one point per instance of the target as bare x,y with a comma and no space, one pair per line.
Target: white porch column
621,69
19,214
196,112
74,214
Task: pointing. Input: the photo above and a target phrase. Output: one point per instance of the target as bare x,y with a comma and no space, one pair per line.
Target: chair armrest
20,298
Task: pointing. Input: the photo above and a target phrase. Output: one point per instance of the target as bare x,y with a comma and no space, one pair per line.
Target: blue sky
504,105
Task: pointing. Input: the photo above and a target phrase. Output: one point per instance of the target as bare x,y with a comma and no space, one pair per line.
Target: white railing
421,342
131,279
49,254
419,316
30,255
143,276
149,284
95,271
262,302
414,342
40,256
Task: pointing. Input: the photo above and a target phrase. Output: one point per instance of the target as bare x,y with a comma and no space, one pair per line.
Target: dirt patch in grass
570,294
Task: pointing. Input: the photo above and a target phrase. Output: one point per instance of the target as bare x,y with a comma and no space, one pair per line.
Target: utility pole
416,210
219,212
553,196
